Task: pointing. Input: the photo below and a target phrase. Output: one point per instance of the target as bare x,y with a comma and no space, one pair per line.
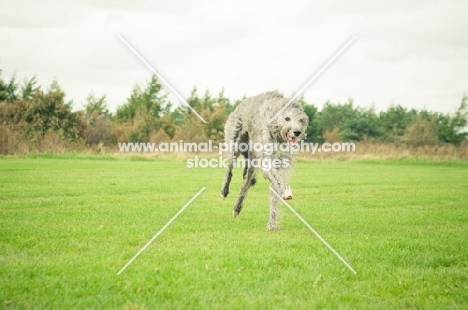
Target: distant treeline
34,119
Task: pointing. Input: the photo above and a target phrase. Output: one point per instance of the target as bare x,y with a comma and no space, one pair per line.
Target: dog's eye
287,119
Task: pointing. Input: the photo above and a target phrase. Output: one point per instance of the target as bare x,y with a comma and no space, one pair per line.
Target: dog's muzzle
292,136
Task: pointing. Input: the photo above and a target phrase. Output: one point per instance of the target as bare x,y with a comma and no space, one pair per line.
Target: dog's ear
305,120
273,126
269,108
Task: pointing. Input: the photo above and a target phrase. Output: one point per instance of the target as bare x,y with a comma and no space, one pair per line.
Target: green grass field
69,223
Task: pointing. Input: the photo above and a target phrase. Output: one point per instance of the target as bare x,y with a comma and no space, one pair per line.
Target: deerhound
248,125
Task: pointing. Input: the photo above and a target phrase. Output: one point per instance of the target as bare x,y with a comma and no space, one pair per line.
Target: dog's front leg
272,224
279,183
281,187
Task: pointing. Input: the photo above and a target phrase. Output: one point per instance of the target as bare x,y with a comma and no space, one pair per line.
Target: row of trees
346,122
147,115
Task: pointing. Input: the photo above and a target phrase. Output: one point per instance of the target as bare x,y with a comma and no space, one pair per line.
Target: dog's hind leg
243,191
232,135
253,180
273,212
227,177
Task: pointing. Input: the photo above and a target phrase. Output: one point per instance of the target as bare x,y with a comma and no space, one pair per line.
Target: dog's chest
282,155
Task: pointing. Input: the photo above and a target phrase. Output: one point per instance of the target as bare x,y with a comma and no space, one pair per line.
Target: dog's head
291,124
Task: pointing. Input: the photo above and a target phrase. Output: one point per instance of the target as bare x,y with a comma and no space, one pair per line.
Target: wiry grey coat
250,121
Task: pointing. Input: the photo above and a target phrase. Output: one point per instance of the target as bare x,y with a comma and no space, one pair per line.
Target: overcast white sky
413,53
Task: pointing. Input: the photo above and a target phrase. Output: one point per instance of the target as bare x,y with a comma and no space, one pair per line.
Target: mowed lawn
69,223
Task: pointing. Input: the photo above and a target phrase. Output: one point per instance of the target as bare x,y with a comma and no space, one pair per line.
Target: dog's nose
297,133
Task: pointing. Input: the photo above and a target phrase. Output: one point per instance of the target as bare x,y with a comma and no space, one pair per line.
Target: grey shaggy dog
249,122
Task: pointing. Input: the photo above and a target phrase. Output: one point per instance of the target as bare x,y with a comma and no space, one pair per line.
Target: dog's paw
224,193
287,195
235,214
272,227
